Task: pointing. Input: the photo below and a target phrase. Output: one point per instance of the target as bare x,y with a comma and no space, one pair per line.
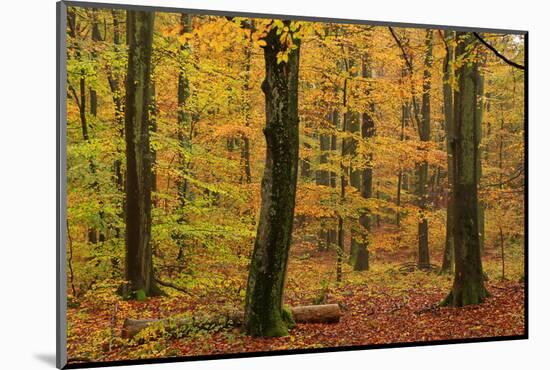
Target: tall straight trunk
501,151
327,234
503,276
92,231
96,37
359,256
402,178
468,286
264,295
245,153
479,169
153,126
398,198
305,169
114,85
345,150
448,72
185,134
378,197
245,149
354,124
333,146
139,263
422,168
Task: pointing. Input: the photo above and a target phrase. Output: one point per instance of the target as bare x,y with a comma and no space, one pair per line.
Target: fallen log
327,313
323,313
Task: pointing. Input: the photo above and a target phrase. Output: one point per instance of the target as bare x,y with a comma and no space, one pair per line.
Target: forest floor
381,306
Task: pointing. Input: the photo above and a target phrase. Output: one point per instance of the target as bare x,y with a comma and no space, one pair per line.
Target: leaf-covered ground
383,305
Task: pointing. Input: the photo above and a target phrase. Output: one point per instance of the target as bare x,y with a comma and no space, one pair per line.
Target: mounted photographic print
236,185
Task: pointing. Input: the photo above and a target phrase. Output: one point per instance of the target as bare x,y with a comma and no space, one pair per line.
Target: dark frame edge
217,12
182,359
61,185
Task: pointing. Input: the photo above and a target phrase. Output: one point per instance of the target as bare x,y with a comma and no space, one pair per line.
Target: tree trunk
185,134
402,178
448,72
264,296
153,126
422,168
468,287
359,256
503,277
114,85
479,120
355,177
343,183
245,150
139,264
327,234
96,36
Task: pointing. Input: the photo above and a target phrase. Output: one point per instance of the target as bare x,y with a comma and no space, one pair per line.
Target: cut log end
326,313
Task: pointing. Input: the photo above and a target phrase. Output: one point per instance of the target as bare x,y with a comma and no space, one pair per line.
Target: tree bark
343,183
245,150
185,134
468,286
402,177
96,37
139,263
114,85
153,126
354,125
264,296
327,143
359,254
479,169
448,72
422,168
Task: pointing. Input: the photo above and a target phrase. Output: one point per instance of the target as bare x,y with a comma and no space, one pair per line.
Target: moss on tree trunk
468,287
264,296
139,264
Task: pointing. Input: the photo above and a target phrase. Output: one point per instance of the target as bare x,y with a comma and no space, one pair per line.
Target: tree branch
170,285
75,95
398,42
510,179
411,70
496,52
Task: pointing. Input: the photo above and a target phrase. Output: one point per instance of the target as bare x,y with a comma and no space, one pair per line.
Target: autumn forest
245,184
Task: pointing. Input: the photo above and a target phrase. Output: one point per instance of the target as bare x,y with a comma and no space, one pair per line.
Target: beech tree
361,258
266,279
422,169
448,73
139,263
468,286
370,113
185,125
